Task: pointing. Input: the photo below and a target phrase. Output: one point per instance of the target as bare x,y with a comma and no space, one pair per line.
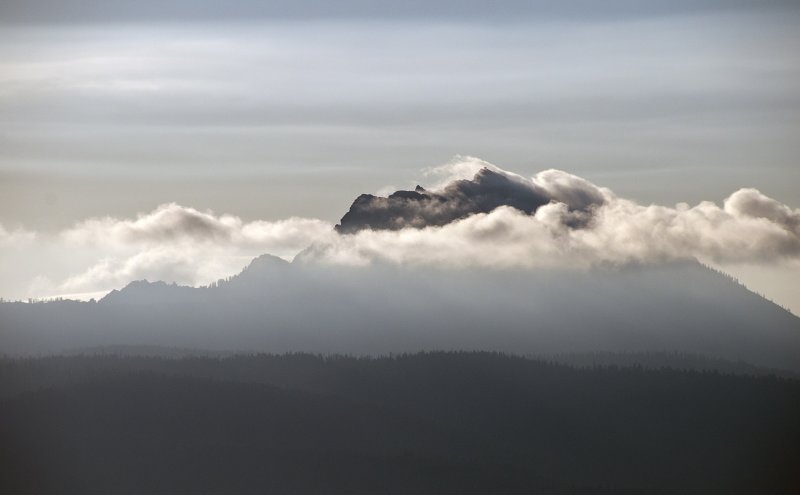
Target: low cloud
480,216
175,224
556,219
178,244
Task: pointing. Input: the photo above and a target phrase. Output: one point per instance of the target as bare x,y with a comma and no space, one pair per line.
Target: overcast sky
266,110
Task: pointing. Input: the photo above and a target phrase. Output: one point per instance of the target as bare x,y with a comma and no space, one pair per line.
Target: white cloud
460,167
15,238
173,223
179,244
749,227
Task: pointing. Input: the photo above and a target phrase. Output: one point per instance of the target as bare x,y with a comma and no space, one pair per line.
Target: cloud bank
173,243
556,219
181,244
175,224
480,216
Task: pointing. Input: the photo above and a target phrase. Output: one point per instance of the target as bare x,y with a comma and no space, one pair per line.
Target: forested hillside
421,423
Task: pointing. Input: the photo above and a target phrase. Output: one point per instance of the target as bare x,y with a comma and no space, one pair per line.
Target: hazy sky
266,110
269,110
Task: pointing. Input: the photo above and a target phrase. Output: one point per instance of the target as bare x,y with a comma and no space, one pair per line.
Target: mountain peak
142,291
262,268
266,263
487,190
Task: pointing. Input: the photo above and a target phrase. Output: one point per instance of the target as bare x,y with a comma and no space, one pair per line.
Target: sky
264,112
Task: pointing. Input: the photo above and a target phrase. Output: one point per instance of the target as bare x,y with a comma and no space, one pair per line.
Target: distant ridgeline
276,306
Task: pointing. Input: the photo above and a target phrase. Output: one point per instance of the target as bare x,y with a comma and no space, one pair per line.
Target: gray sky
266,110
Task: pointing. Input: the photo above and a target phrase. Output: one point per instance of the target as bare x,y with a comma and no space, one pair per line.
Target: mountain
144,292
276,306
418,208
486,191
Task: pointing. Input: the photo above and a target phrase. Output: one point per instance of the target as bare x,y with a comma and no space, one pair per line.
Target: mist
275,306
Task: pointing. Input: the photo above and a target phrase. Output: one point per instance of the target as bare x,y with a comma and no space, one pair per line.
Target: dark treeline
416,423
21,374
665,359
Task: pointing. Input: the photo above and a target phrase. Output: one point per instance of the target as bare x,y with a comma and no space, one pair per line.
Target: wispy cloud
15,238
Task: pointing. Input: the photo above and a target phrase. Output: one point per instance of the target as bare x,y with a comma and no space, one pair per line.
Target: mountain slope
275,306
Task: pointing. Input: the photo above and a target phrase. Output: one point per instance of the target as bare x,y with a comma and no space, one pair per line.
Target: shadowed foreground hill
424,423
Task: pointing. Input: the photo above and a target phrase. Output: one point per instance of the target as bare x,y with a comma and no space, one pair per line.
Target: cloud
555,219
495,219
488,189
15,238
180,244
573,191
186,266
173,223
750,203
460,167
167,223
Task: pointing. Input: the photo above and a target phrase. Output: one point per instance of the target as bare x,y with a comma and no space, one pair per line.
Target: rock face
420,208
